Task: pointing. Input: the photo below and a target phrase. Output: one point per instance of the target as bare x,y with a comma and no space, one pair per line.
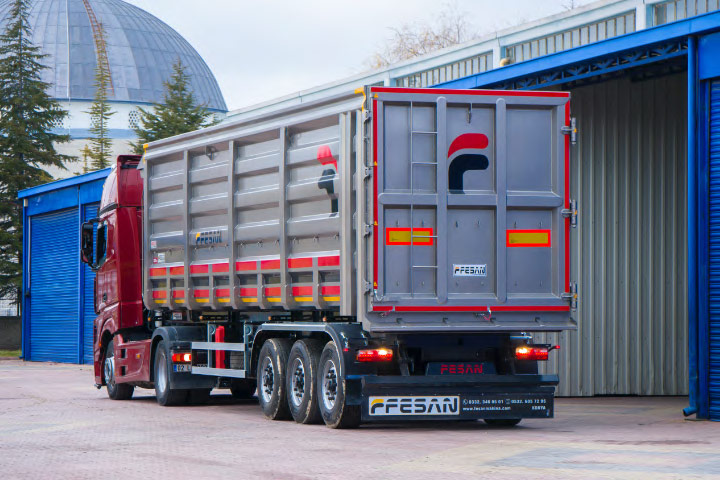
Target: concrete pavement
55,424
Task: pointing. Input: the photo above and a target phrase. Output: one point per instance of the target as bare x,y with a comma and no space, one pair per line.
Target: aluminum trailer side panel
455,199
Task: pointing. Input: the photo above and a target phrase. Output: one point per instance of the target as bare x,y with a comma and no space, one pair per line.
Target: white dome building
140,51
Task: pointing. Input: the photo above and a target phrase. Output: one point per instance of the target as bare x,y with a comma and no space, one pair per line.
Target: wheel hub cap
268,380
298,382
330,385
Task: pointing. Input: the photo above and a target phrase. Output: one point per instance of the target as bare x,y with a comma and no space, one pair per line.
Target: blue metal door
88,295
714,267
54,323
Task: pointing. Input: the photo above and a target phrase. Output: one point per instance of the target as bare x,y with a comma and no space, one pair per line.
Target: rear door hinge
572,295
367,229
571,213
367,288
571,130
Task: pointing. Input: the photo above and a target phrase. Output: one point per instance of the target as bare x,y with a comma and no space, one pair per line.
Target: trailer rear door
469,210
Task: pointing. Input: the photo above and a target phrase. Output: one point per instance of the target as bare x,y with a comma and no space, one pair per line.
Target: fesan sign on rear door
470,210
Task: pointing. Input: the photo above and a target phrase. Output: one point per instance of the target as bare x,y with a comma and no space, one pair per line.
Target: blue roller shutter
714,320
88,294
54,320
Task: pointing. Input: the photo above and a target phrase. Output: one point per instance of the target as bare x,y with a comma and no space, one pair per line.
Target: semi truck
384,255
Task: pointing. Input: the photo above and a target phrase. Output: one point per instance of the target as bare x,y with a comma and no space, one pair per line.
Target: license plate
182,368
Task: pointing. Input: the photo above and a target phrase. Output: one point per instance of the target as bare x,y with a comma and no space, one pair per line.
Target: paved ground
54,424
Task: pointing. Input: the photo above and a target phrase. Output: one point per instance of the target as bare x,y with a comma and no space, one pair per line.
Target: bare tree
419,38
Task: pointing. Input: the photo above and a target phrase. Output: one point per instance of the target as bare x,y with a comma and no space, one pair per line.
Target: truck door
470,210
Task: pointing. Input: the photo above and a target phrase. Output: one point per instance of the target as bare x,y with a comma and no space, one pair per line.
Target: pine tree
27,117
179,112
100,112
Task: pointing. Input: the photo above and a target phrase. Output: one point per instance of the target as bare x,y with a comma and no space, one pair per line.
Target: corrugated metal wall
628,176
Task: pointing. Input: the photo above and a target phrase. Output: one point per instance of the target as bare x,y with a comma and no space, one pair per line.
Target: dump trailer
378,256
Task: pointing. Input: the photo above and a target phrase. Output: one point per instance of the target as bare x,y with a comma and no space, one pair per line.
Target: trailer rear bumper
399,398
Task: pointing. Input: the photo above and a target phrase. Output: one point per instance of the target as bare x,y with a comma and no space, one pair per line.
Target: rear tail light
531,352
182,357
375,355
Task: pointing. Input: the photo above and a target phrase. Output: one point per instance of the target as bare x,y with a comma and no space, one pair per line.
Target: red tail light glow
530,352
375,355
182,357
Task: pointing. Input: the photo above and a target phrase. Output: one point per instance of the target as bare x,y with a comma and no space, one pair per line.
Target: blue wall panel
54,319
87,296
713,373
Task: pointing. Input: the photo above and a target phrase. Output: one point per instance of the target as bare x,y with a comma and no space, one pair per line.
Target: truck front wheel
116,391
271,374
165,395
331,387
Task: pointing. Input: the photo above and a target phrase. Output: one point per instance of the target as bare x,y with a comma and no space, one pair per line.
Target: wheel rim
268,379
109,368
329,384
298,381
162,376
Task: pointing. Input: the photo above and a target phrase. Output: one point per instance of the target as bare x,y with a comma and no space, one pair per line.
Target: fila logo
389,406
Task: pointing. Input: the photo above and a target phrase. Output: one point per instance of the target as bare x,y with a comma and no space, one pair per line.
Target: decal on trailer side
469,270
391,406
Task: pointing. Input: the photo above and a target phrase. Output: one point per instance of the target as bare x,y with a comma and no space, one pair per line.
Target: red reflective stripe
302,291
331,290
248,292
201,293
375,192
567,199
177,270
160,294
329,261
273,292
482,309
199,269
379,308
222,292
245,266
270,264
178,294
468,140
300,263
158,272
439,91
221,267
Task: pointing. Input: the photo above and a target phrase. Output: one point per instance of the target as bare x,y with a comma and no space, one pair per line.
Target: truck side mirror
86,244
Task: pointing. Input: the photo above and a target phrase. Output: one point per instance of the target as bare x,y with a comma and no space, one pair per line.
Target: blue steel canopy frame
75,192
652,45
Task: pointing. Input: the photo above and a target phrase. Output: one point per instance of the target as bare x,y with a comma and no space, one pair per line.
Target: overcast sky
262,49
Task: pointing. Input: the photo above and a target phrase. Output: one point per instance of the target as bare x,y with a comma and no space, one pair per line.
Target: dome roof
141,51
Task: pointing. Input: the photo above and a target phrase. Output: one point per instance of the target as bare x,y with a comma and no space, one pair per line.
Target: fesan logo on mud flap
389,406
208,237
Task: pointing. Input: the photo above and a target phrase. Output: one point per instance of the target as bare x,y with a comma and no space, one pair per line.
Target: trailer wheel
242,388
302,374
502,422
271,372
331,386
165,395
116,391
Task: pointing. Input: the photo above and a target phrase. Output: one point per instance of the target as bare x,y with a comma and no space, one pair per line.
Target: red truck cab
116,259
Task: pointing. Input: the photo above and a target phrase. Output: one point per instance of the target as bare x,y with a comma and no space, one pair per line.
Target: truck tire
116,391
165,395
332,387
243,388
502,422
271,372
302,374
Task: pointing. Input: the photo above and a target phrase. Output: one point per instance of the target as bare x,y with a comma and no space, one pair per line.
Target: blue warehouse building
58,289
